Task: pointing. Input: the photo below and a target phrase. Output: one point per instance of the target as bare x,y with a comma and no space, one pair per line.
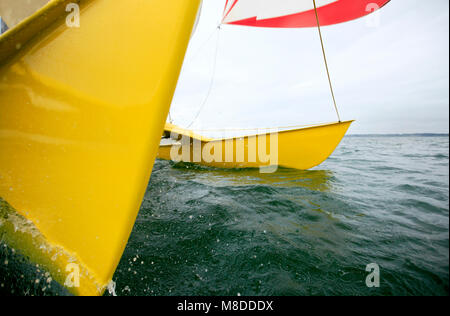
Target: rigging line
211,84
326,63
194,55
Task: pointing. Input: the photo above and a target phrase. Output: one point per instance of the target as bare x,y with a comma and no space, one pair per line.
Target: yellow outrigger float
82,110
299,148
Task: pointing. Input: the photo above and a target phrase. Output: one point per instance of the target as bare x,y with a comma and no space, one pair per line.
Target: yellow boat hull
82,110
302,148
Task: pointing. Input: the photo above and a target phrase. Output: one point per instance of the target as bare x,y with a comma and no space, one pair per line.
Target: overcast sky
391,78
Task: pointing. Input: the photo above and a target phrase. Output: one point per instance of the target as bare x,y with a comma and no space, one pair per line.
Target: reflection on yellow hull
302,148
81,115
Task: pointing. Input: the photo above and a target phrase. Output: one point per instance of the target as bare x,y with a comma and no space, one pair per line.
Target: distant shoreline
401,135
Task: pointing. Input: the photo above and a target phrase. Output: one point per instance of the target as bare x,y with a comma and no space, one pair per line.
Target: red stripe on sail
232,6
333,13
226,4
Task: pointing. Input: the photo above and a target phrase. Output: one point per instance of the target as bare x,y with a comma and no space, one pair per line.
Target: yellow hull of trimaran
300,148
82,111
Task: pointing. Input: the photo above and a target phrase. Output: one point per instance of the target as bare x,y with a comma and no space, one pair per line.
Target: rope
211,84
326,63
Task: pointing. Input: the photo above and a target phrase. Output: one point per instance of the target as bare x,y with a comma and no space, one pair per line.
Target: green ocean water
203,231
